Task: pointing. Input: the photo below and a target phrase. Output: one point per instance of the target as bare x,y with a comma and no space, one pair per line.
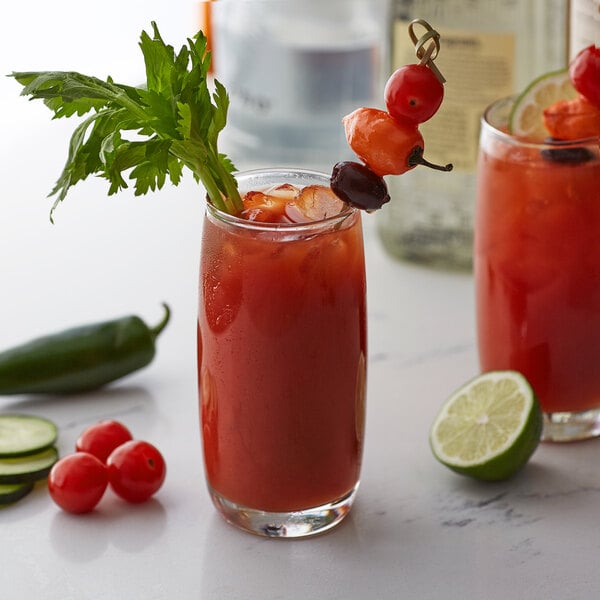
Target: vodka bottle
293,69
584,25
489,49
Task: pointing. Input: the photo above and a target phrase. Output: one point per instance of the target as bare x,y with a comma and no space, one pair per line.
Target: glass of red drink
282,363
537,270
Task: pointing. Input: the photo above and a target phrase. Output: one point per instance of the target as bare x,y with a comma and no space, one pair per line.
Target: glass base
571,426
295,524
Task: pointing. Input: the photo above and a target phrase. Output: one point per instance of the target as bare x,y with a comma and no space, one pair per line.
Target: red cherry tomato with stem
584,72
136,470
102,438
413,93
77,482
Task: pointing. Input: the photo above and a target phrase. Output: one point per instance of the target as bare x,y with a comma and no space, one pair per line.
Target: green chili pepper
81,358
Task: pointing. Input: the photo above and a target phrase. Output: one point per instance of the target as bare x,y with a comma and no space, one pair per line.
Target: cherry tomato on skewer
413,92
584,72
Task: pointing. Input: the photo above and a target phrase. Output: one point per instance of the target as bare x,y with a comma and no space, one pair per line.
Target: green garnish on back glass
173,122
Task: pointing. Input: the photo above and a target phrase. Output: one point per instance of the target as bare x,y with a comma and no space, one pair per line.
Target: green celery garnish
173,119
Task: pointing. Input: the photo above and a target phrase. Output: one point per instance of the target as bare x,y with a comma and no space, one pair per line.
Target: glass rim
494,128
327,222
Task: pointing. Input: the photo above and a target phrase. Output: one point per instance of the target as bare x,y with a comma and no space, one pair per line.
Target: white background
416,531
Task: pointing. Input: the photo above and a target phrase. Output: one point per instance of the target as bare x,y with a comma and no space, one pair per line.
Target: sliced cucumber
22,435
11,492
27,468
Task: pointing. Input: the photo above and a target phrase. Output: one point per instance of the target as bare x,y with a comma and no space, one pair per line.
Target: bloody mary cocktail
537,270
282,354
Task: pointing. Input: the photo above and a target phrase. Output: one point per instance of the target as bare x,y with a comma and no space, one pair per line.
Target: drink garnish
584,72
358,186
151,132
564,104
526,116
574,119
388,142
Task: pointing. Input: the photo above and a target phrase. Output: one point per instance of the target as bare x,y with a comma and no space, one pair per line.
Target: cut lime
489,428
526,117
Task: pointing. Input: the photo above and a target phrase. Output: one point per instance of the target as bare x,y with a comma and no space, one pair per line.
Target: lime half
526,117
489,428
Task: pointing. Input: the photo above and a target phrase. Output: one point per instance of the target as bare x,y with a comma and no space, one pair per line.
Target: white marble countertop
416,531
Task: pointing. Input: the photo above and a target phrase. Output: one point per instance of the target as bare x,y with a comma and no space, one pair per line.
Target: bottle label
479,68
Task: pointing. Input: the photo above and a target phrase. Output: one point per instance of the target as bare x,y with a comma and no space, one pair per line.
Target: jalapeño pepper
81,358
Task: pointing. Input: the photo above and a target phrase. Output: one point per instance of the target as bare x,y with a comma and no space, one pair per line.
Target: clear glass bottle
584,24
293,69
489,49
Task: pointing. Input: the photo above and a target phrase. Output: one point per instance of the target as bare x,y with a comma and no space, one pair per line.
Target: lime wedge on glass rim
526,117
489,428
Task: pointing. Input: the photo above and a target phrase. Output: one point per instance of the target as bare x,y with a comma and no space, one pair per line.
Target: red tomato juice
282,352
537,270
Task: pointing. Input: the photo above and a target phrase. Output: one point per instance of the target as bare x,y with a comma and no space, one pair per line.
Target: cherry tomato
136,470
584,72
102,438
413,93
77,482
382,143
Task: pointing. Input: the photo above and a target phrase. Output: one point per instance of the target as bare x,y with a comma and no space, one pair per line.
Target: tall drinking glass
282,362
537,270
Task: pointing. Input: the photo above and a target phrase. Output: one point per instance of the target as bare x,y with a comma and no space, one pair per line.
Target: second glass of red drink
537,270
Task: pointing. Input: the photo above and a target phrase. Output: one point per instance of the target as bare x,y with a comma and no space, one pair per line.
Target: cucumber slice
27,468
21,435
11,492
